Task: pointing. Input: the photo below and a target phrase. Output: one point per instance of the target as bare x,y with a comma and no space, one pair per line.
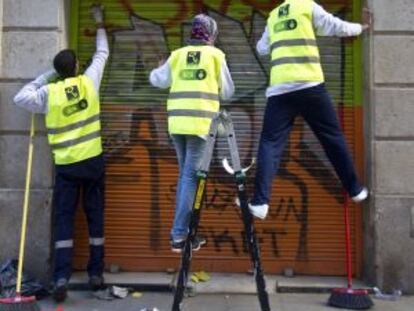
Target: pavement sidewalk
223,292
83,301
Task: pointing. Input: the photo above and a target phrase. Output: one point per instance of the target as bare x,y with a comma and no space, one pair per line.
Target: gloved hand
366,19
97,13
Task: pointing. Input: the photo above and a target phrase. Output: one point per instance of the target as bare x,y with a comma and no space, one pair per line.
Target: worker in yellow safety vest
197,76
70,102
297,88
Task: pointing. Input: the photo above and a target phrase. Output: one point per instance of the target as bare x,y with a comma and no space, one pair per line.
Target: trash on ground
200,276
104,294
194,278
136,295
119,292
190,292
396,293
8,278
111,293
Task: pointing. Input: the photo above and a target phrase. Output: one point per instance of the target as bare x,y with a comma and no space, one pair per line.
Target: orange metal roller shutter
305,227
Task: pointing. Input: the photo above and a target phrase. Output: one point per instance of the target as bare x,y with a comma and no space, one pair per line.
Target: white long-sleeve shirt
34,95
325,24
161,77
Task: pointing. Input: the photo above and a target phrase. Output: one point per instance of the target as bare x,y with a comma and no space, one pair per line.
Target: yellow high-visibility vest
73,121
194,95
294,51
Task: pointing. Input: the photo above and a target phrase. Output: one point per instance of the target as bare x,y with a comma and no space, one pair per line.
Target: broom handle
348,241
345,194
25,207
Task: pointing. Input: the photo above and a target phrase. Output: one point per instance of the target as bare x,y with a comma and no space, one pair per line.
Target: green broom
20,303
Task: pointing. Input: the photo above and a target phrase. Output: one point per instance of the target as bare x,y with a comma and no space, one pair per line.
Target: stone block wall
390,112
31,33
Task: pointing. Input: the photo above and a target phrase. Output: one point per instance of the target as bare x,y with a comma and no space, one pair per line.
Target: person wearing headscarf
198,77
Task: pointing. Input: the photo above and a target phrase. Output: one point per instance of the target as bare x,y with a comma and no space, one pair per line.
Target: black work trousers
87,175
315,106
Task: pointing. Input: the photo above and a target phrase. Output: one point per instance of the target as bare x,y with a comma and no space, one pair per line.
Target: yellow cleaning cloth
202,276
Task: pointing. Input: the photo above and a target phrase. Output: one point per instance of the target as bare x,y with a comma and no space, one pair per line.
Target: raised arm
327,24
161,77
34,95
263,45
96,68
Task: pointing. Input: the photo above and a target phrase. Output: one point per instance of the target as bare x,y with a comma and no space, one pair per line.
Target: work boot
177,246
60,290
96,282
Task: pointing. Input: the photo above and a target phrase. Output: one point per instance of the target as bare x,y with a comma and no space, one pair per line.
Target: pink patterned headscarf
204,29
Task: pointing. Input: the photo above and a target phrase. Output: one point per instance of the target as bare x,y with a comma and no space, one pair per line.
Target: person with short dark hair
70,102
297,88
66,64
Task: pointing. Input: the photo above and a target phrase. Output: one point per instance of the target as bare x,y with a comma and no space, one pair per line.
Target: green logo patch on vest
193,58
193,74
75,108
290,24
72,92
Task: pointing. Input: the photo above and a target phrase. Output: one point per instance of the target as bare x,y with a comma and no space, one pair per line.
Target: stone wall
32,33
391,144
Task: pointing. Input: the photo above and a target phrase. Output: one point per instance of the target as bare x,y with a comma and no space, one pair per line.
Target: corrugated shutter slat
305,227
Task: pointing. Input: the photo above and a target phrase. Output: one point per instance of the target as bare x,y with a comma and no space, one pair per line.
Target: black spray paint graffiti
135,53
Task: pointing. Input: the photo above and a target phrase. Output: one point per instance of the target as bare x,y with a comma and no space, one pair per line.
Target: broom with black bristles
349,298
19,302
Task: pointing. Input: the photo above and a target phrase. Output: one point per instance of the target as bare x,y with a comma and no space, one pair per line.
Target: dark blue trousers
87,175
315,106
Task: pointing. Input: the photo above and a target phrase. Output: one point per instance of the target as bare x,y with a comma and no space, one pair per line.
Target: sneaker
60,290
96,282
257,210
361,196
177,246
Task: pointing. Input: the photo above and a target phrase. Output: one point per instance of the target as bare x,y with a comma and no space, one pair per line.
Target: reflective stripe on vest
292,42
294,52
295,60
192,113
74,126
73,122
76,141
194,94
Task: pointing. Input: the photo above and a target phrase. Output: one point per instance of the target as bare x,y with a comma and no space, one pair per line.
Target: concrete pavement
220,283
223,292
83,301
